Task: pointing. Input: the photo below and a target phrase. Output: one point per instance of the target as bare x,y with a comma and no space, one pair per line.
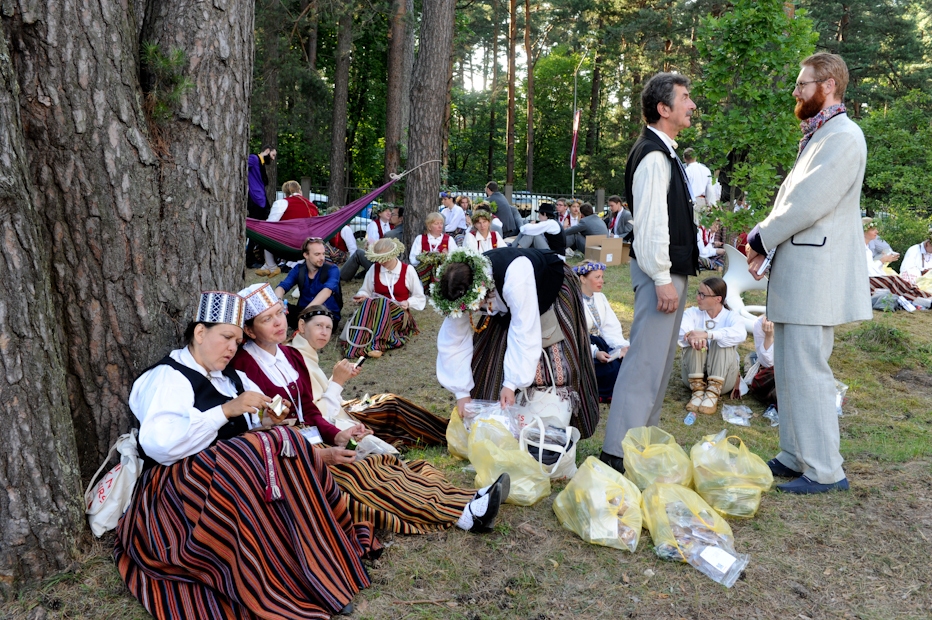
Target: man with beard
815,227
664,253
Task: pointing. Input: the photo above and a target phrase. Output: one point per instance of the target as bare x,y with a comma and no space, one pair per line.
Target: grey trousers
715,362
809,439
576,241
643,378
352,265
532,241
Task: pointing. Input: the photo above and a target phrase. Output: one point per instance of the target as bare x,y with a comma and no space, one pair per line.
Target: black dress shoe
346,611
805,486
615,462
483,524
779,469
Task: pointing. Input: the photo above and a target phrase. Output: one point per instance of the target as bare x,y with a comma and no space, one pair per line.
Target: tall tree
529,53
337,185
270,78
490,166
428,100
510,123
397,37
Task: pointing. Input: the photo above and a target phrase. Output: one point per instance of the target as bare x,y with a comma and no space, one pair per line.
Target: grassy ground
863,554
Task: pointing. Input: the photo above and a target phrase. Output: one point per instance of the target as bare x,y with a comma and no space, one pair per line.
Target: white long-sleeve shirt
455,346
162,399
764,355
346,233
433,243
372,229
277,211
551,227
475,241
280,372
455,218
607,325
726,330
916,260
874,267
651,220
389,277
700,181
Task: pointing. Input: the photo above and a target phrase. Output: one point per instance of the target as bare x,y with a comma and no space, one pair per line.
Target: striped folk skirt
390,326
399,421
199,539
571,358
406,498
897,286
335,255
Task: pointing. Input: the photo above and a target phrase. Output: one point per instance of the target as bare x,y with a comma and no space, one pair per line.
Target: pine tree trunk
510,126
337,185
490,169
406,82
529,52
428,100
395,94
270,103
311,49
41,510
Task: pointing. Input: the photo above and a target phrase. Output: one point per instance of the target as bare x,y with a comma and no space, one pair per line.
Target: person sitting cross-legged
316,278
606,339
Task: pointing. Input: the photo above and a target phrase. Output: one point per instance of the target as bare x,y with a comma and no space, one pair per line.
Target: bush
902,229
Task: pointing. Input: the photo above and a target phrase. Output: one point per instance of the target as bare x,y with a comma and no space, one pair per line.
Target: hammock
285,239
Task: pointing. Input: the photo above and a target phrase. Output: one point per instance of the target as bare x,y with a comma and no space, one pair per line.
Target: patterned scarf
811,125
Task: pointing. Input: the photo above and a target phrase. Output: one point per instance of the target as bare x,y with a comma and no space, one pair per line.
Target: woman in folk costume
390,290
227,523
408,498
341,246
503,310
430,248
709,336
392,418
484,238
606,340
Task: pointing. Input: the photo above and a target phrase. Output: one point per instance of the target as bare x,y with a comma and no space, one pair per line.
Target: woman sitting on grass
606,339
484,238
430,248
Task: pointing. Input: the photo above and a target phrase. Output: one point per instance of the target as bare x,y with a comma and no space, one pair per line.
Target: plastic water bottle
690,418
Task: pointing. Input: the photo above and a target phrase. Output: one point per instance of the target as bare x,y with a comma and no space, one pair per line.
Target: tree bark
337,186
428,99
40,521
406,82
313,19
490,169
510,126
397,37
529,52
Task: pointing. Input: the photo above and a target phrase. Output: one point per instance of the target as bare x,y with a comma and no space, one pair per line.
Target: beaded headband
310,314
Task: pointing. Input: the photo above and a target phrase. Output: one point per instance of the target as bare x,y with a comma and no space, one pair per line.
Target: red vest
338,242
400,290
444,243
299,207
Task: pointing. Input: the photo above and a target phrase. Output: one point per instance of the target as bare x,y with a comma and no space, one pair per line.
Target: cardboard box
608,250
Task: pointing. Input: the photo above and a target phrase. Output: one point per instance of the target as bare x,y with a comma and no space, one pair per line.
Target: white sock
483,491
476,507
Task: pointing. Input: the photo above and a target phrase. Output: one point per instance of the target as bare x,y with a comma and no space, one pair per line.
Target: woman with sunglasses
709,336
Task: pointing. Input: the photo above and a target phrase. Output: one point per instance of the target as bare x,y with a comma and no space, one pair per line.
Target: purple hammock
285,239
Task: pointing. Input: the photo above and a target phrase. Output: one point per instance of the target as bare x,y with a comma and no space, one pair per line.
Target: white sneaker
906,304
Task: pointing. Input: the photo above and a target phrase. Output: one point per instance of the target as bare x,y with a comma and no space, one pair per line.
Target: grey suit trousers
643,378
809,439
352,265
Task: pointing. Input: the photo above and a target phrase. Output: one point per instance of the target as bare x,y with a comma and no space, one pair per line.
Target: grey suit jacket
819,274
589,225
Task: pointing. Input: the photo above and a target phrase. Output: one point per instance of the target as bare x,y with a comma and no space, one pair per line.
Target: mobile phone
362,358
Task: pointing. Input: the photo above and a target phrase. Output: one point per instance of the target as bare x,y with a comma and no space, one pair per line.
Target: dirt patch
915,380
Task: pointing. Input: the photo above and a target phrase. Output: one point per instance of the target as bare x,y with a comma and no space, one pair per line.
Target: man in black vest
664,252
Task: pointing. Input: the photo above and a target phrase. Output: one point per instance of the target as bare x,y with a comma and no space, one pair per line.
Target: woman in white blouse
484,238
430,248
390,290
880,266
606,339
709,336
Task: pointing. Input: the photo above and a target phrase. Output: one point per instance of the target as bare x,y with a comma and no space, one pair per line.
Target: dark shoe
346,611
779,469
483,524
805,486
615,462
504,481
285,268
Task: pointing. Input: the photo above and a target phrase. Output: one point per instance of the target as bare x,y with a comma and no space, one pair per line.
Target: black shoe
615,462
255,265
504,480
346,611
779,469
805,486
285,268
483,524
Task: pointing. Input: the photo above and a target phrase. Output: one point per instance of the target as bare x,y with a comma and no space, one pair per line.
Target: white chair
739,281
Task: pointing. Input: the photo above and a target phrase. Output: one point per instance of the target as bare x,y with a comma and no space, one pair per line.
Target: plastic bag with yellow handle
601,506
728,476
686,529
493,450
457,437
652,455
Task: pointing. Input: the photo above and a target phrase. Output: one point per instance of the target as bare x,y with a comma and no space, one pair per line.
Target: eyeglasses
802,85
702,295
313,240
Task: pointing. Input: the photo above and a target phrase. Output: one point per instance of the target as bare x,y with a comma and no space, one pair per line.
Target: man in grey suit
506,213
814,228
589,224
664,253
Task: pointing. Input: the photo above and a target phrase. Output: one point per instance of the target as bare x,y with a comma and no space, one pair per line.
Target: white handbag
546,403
535,436
106,501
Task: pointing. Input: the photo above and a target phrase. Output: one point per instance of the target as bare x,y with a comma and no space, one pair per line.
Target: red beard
807,108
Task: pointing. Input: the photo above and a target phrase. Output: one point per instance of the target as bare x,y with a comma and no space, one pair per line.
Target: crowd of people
249,447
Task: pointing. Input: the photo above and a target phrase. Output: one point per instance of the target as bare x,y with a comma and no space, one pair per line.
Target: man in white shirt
545,234
700,181
453,214
663,254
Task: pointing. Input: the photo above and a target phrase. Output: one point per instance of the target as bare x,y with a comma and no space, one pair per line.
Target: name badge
312,435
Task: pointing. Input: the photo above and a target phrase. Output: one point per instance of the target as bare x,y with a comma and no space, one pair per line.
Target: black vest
684,249
548,272
557,242
206,397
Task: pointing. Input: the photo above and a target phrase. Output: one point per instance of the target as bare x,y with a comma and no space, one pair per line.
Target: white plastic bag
106,501
547,404
546,443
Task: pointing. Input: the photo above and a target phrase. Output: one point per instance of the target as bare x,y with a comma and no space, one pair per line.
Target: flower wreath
471,301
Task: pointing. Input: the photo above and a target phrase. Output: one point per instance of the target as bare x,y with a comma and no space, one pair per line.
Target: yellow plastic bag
686,529
457,437
652,455
493,450
729,476
601,506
